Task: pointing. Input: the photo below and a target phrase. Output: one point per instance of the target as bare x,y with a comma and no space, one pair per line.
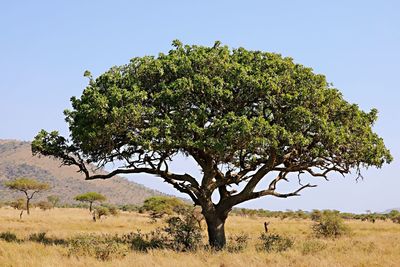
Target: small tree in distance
54,200
159,206
90,197
28,186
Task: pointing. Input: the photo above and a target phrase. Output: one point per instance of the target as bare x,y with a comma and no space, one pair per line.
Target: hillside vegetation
16,160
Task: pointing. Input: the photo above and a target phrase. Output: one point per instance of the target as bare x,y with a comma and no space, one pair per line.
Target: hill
16,160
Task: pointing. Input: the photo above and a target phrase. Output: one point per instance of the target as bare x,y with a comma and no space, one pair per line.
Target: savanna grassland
368,244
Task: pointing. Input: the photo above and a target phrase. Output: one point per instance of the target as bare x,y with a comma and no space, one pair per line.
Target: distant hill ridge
16,160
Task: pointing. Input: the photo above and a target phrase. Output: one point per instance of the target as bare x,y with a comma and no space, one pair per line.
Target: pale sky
45,46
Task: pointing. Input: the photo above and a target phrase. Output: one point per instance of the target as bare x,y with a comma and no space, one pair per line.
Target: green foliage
237,242
54,200
184,232
39,238
145,242
218,100
274,242
159,206
43,239
26,184
90,197
101,247
9,237
330,224
105,210
129,207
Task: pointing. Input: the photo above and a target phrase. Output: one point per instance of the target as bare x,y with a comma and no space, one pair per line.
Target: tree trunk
20,215
216,231
27,205
90,206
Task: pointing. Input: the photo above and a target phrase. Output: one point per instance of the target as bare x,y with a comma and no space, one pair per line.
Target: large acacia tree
241,115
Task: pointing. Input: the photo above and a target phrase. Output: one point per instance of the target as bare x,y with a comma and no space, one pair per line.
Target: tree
90,197
28,186
240,115
159,206
54,200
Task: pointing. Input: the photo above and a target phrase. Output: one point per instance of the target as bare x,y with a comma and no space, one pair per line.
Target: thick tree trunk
216,231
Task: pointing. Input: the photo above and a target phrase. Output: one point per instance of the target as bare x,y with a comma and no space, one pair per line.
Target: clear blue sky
45,46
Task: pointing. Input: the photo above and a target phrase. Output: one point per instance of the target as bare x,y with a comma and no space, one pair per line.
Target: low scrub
144,242
42,238
238,242
330,225
274,243
100,247
184,233
9,237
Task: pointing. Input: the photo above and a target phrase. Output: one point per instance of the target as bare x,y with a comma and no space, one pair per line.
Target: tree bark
27,205
216,231
90,206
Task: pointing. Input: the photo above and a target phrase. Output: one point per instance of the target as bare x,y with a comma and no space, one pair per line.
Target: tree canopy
162,205
26,184
90,197
239,114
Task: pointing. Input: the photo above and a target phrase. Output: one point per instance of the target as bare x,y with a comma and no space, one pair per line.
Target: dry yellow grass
369,244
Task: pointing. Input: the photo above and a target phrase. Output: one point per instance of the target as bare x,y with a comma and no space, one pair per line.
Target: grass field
368,244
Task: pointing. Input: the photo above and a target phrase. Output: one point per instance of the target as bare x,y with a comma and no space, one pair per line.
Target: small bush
312,247
145,242
39,238
44,205
101,247
185,233
330,224
8,237
396,219
274,243
237,243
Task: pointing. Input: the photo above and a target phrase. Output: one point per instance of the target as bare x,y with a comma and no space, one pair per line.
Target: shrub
185,233
312,247
44,205
8,237
129,207
396,219
330,224
315,215
145,242
39,238
237,243
274,242
101,247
